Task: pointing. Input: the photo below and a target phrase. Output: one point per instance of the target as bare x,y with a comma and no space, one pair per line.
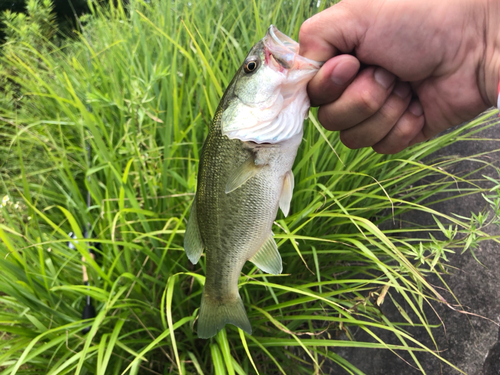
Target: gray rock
492,363
468,340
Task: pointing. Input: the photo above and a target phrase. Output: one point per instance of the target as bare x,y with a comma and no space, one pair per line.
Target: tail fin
214,315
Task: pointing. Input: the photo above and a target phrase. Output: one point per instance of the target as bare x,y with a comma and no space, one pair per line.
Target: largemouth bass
245,175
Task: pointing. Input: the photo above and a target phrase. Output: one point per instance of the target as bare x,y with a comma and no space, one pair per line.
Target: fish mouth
283,40
284,51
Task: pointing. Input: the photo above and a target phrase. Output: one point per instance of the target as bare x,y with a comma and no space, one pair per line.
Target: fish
245,175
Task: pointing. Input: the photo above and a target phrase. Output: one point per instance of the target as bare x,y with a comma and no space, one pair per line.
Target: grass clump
140,85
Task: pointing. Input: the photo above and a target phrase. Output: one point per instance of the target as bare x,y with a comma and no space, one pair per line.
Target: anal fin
268,258
286,193
242,174
193,244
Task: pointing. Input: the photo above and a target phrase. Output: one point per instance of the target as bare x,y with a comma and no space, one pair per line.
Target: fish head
267,100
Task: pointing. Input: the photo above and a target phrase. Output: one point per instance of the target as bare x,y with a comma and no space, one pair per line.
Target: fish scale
242,183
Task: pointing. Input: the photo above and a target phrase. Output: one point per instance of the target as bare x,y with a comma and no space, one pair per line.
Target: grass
141,87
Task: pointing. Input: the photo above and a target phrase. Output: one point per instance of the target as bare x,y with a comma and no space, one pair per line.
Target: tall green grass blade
140,84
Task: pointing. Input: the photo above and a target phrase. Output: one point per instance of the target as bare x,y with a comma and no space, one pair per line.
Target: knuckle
349,140
406,128
304,30
307,31
403,133
392,110
326,118
368,103
400,136
388,149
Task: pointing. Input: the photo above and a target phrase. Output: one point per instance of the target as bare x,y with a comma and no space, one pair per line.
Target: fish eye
250,66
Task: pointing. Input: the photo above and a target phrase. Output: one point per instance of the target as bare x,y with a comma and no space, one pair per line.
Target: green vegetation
63,11
141,86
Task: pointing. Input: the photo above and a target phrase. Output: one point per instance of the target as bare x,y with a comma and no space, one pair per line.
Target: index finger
330,32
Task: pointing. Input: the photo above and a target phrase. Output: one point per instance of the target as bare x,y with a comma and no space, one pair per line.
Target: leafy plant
32,28
140,86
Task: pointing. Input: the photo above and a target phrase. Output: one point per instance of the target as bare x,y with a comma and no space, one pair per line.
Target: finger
407,131
338,28
376,127
360,100
332,79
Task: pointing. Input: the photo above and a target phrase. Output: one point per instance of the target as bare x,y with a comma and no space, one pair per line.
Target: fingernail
384,77
402,89
416,108
343,72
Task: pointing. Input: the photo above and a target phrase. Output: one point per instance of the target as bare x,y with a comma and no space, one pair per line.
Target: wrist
498,95
491,63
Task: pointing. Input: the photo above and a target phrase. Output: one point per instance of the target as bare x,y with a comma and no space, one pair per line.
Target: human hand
427,66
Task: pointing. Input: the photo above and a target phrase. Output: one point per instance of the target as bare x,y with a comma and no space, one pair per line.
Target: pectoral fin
242,174
268,258
193,243
286,193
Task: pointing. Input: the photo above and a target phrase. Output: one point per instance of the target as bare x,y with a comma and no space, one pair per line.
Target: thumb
335,30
